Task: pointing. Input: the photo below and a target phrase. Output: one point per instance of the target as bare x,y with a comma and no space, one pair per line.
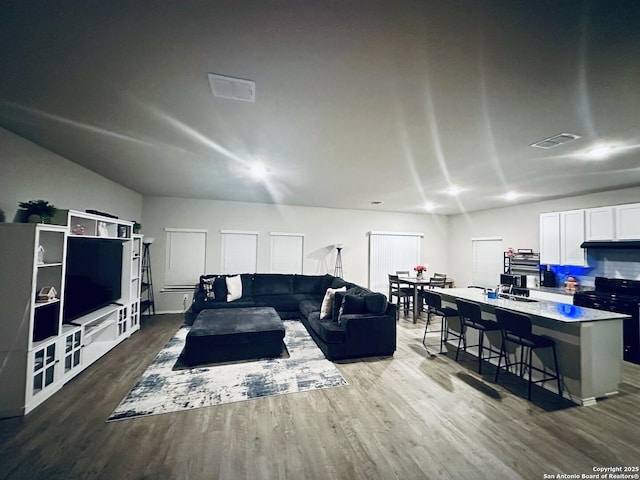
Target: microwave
518,281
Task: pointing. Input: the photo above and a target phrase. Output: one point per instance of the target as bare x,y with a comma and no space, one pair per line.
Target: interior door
487,261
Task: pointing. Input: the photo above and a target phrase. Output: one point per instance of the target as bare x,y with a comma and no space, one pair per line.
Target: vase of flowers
420,269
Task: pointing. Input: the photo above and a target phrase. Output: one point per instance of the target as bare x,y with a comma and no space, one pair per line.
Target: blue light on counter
567,310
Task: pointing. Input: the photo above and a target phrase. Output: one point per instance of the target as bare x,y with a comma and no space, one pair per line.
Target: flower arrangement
420,269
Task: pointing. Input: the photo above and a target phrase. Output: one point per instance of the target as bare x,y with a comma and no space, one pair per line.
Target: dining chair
403,294
439,282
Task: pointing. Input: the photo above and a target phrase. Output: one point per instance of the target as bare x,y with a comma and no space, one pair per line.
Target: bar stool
516,328
434,307
471,317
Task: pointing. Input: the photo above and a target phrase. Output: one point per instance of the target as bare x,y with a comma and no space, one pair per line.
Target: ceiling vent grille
232,88
556,140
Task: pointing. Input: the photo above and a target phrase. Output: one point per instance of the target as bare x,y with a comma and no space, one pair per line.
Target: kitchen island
588,341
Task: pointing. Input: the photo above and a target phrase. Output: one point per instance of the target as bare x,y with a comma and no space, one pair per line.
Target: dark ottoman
231,334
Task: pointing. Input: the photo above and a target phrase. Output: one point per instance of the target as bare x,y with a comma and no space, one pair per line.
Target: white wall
29,172
518,225
322,227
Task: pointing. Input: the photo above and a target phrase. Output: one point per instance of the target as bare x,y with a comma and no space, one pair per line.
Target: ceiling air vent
556,140
232,88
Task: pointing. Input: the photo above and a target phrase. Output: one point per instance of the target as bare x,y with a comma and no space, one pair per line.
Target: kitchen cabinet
561,234
571,238
600,224
627,221
550,238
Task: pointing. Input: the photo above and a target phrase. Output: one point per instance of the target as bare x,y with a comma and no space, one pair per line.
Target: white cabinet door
599,224
628,222
550,238
571,237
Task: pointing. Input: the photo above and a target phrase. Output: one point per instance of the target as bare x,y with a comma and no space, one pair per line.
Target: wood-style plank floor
412,416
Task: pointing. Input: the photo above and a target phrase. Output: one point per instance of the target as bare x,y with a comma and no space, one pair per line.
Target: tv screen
94,275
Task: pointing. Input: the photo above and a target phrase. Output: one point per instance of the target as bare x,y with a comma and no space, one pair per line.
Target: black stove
620,296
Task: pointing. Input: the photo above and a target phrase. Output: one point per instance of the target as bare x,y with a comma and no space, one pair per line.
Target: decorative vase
419,275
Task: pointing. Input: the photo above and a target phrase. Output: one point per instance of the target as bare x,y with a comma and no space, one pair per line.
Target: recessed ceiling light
453,190
510,196
429,206
258,170
599,152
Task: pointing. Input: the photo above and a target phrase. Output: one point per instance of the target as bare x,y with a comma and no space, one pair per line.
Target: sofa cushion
309,306
282,303
326,309
271,284
328,330
376,303
308,283
339,283
234,287
351,304
327,279
219,292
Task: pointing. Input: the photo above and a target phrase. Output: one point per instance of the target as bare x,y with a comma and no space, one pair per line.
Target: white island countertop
588,341
561,312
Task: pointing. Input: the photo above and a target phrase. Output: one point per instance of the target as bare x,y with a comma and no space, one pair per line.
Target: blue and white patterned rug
162,389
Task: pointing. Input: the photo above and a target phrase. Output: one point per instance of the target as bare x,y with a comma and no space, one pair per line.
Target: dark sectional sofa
361,323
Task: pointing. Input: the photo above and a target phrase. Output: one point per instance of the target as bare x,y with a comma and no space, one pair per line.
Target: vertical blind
239,251
287,252
389,252
185,256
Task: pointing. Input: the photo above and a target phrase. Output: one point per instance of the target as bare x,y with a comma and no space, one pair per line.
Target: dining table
420,284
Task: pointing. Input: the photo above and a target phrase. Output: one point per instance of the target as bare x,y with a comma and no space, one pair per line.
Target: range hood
619,244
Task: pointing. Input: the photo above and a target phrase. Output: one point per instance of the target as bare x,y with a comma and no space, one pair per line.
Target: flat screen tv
94,275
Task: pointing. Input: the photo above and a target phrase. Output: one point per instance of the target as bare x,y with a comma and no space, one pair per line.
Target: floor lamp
337,272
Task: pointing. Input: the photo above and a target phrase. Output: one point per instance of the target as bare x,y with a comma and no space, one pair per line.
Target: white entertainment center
39,350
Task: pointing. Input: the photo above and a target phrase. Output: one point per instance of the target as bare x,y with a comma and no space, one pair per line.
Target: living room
415,414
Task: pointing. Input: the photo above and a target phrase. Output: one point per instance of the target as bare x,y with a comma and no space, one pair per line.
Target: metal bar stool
516,329
434,307
471,317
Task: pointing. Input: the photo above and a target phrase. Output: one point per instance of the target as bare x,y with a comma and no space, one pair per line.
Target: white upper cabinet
561,234
599,224
571,238
550,238
628,221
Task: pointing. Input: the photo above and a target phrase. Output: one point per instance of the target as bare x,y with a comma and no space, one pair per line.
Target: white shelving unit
39,351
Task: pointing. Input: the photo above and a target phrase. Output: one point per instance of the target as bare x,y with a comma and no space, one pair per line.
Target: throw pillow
327,302
207,287
234,288
351,304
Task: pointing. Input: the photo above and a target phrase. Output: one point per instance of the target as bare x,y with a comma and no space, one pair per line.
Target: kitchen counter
588,341
561,312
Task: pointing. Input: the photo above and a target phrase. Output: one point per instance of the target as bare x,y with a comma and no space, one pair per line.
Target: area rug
163,389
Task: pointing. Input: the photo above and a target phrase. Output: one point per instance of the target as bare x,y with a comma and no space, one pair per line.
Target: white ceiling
356,101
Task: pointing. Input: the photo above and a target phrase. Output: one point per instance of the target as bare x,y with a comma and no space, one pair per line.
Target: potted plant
136,227
38,210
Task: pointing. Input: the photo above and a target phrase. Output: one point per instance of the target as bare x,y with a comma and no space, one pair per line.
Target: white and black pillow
207,287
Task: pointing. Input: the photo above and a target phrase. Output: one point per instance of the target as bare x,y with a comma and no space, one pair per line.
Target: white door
488,261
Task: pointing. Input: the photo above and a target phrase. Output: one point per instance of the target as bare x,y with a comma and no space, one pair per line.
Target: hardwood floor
410,416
